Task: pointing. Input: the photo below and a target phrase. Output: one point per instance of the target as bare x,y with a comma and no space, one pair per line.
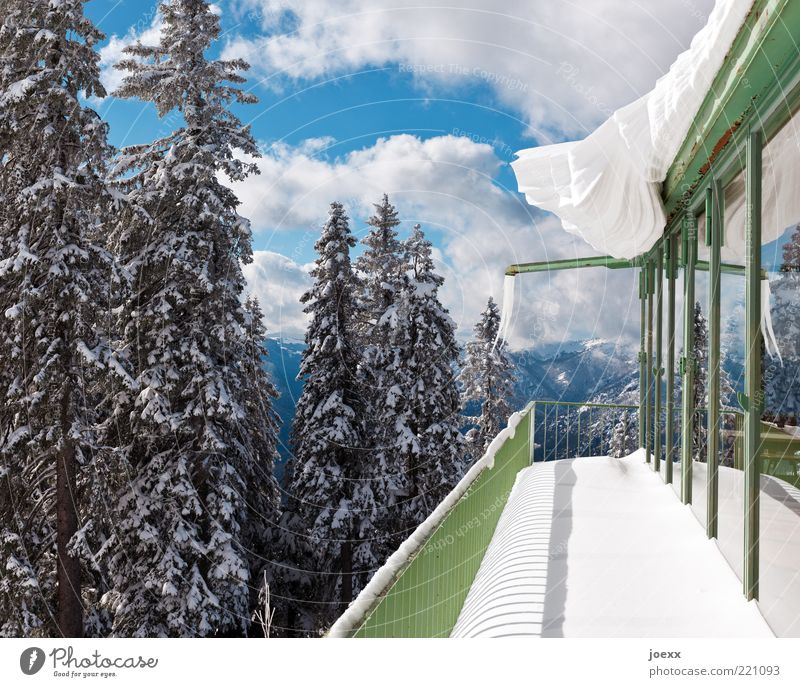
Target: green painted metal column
671,258
752,374
714,234
658,371
648,402
689,255
642,380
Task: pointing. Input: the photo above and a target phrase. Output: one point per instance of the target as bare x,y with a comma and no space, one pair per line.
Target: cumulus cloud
278,282
563,65
449,185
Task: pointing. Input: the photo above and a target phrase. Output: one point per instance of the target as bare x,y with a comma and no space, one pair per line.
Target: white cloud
448,184
278,282
563,65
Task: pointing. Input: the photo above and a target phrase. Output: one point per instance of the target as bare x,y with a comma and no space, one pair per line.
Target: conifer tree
260,430
699,395
487,380
436,451
384,335
791,252
329,509
622,437
782,380
188,431
54,274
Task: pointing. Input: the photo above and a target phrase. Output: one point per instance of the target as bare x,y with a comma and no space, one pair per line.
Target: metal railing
564,429
425,595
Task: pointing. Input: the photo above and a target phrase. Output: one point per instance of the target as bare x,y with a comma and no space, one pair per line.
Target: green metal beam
648,402
642,362
726,268
658,372
570,264
754,81
714,234
688,362
671,257
753,395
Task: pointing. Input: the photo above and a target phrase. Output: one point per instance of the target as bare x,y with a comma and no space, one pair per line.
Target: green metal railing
565,429
427,594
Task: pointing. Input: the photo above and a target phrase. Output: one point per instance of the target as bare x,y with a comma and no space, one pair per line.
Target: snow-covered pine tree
54,276
791,252
327,529
700,394
436,457
188,433
384,336
260,432
699,398
487,380
782,381
622,437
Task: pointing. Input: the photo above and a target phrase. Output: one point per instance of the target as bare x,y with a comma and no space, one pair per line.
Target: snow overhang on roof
607,187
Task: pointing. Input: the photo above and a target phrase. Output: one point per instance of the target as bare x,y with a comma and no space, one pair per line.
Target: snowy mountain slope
575,371
594,370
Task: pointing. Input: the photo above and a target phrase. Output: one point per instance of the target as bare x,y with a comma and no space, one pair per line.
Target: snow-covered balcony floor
600,547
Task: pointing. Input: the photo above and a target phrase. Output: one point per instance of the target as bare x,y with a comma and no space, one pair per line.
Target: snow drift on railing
357,611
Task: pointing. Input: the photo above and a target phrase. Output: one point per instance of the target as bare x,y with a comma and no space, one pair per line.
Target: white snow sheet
600,547
606,188
506,310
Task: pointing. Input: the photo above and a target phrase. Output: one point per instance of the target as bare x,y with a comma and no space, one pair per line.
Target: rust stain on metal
719,145
722,141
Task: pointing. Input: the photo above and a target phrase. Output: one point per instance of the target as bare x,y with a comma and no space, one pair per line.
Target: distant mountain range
593,370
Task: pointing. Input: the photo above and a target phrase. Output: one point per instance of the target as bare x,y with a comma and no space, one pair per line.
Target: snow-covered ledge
384,578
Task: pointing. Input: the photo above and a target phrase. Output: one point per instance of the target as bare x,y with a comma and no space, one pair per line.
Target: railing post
658,371
714,232
671,256
649,364
642,380
753,396
687,361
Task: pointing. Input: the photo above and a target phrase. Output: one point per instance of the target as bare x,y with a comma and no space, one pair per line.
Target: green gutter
742,92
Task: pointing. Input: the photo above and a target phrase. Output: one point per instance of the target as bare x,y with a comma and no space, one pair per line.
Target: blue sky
361,97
